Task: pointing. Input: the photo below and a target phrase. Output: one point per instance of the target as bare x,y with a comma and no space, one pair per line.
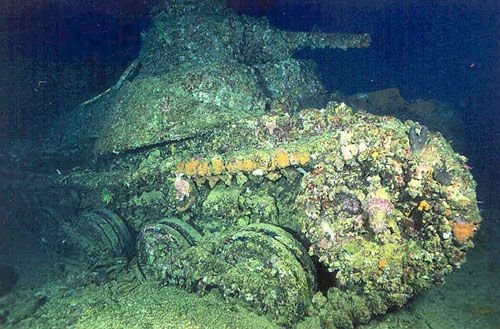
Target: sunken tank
218,151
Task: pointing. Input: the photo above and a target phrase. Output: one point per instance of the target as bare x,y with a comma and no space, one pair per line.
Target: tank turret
201,65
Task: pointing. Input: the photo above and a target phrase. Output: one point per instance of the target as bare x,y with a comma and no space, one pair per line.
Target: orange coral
423,206
232,166
281,160
203,168
382,263
249,165
239,165
299,158
190,168
217,166
463,231
179,169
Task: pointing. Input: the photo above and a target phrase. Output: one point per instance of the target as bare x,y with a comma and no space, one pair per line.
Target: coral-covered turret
201,65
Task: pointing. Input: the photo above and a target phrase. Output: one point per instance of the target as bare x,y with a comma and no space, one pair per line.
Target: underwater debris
355,215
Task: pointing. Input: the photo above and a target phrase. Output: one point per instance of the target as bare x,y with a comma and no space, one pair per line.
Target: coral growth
423,206
257,162
280,160
182,188
462,231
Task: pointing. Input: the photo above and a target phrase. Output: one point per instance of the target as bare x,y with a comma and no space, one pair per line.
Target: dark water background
441,50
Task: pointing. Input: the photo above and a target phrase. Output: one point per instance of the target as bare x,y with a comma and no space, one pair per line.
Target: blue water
445,51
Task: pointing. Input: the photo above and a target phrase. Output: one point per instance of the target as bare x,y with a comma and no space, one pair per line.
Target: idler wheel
263,270
96,235
292,244
159,245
